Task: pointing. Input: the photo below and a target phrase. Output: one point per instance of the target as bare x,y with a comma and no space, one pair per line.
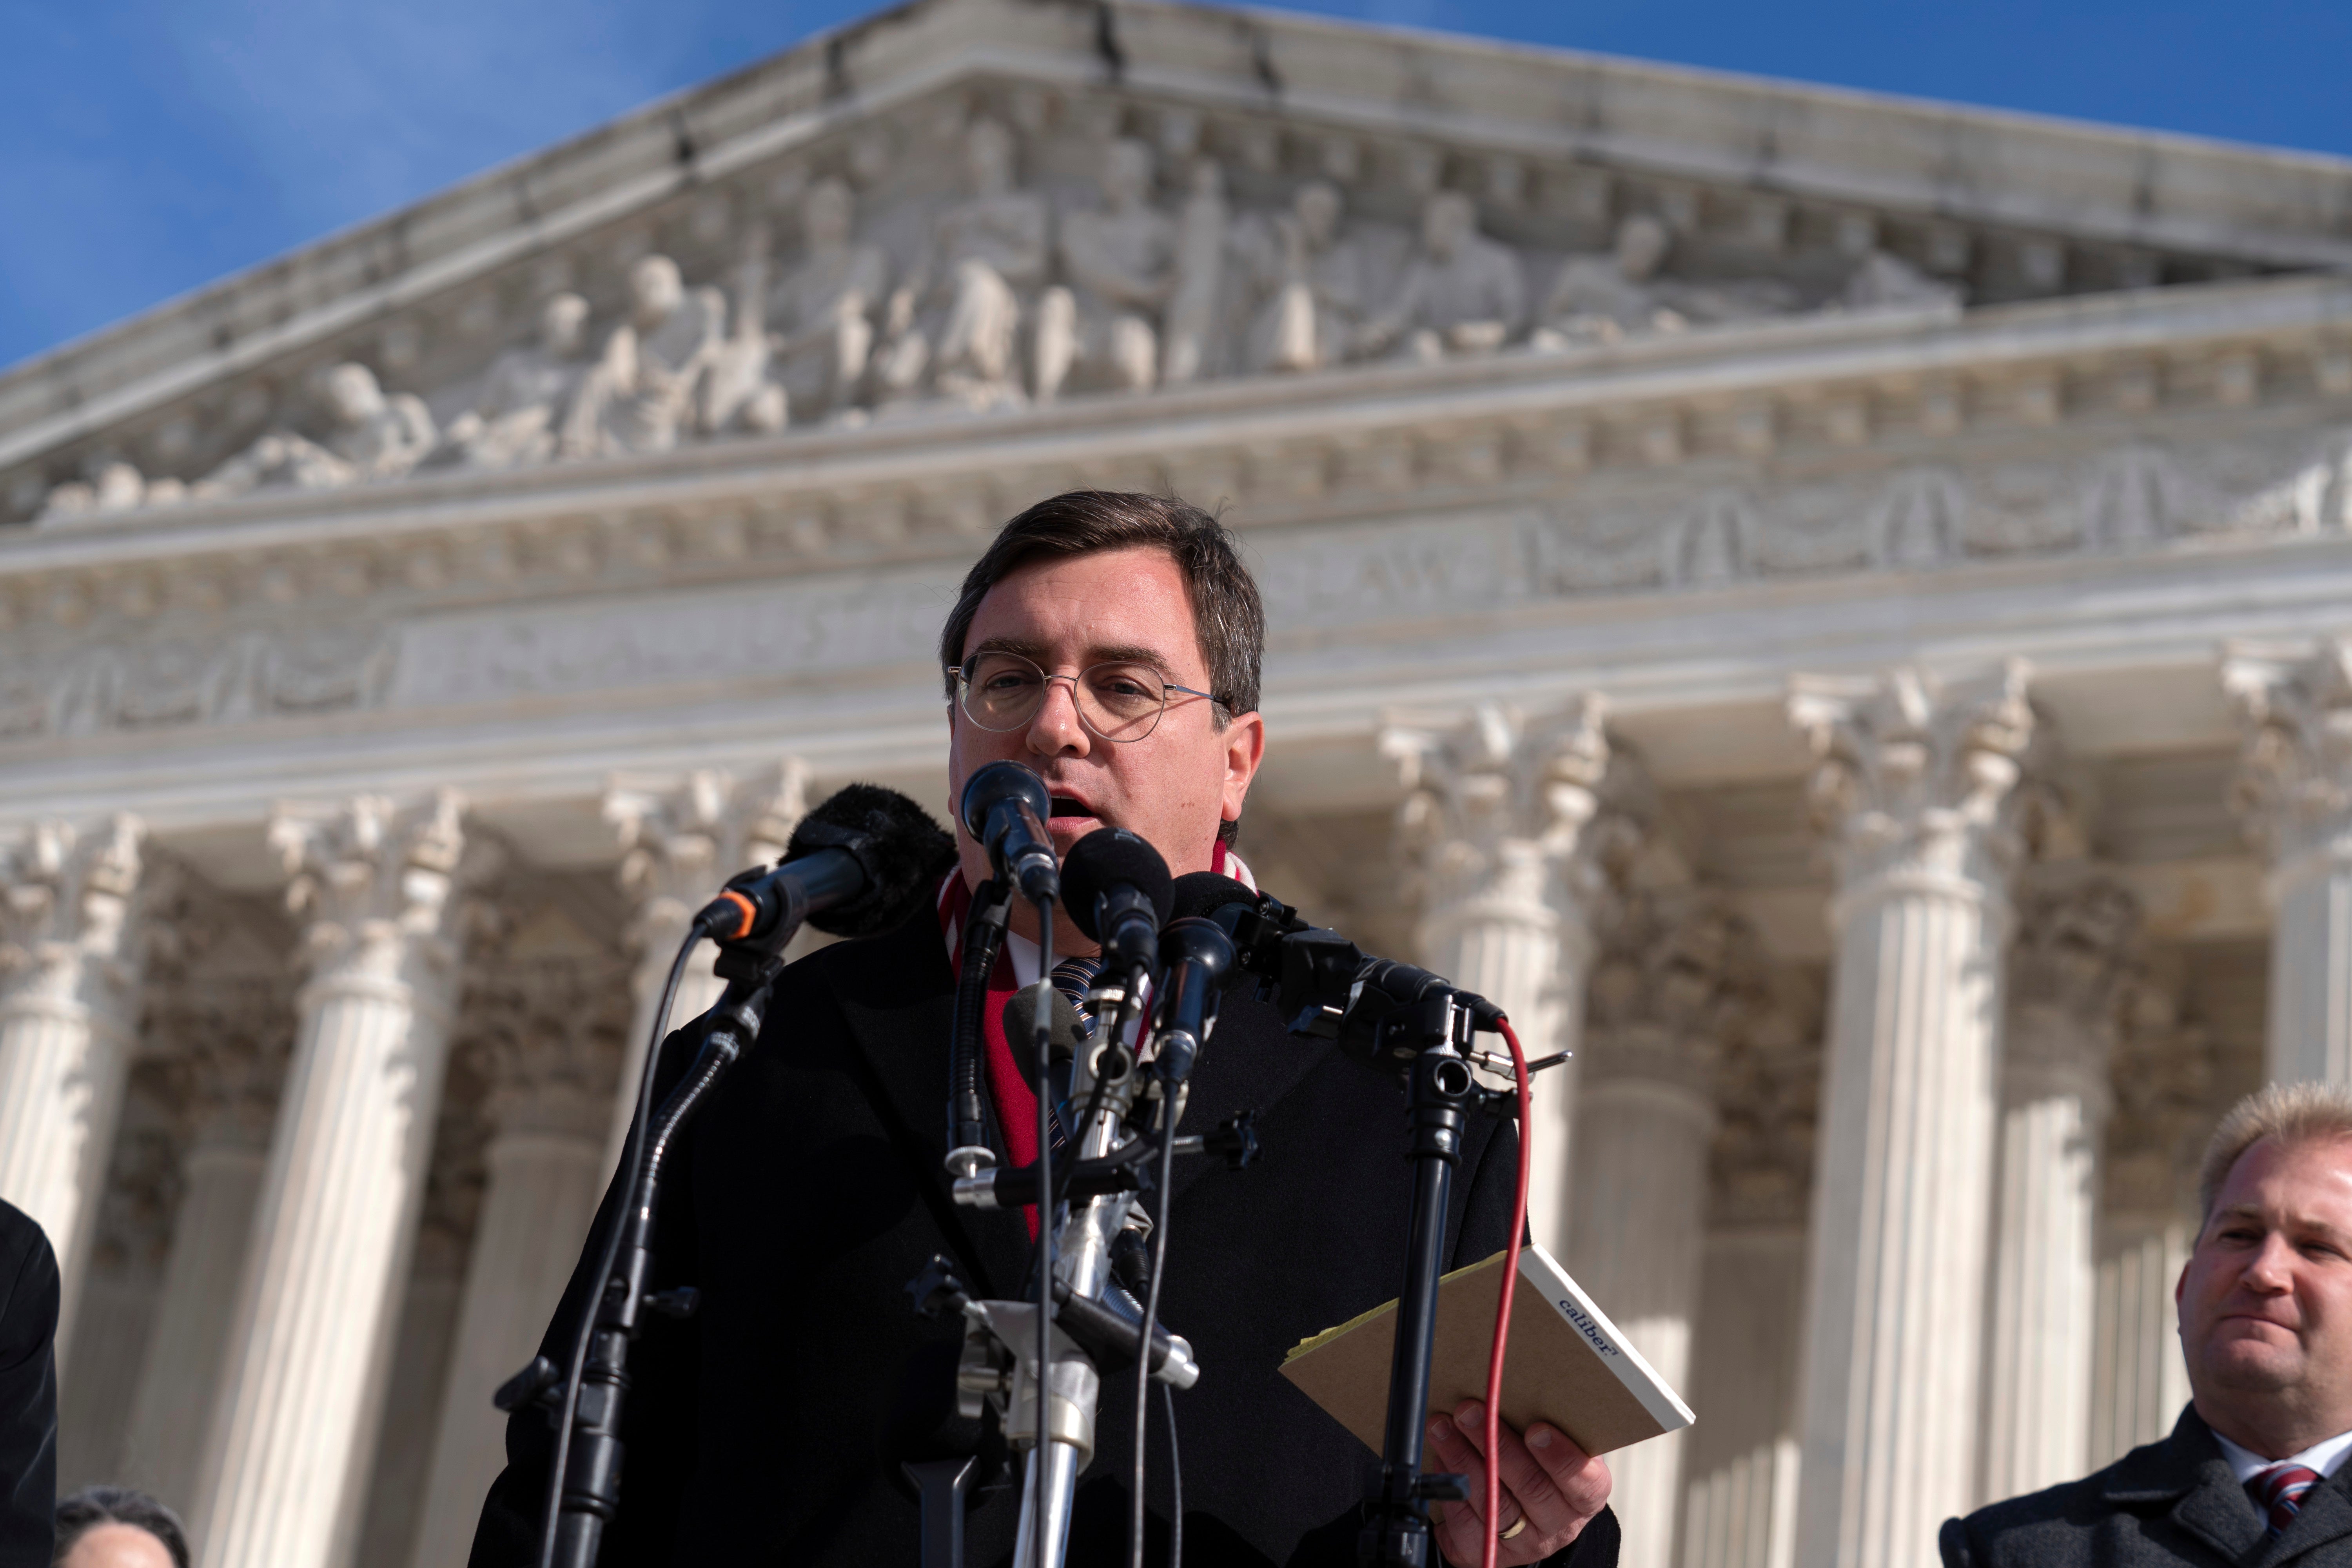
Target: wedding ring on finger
1517,1525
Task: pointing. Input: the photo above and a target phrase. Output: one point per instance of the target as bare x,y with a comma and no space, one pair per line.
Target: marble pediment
980,208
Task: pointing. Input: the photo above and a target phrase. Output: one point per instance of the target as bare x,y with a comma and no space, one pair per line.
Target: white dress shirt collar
2327,1457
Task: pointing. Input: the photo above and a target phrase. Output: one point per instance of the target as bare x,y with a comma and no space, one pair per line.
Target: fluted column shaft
1507,821
1636,1244
548,1109
1679,970
69,1014
2064,988
2041,1317
2138,1380
335,1222
1912,784
170,1411
2293,792
1740,1507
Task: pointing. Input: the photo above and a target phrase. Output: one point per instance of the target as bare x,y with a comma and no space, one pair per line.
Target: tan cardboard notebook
1569,1365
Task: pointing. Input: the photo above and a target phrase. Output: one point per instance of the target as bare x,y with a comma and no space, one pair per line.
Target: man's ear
1244,743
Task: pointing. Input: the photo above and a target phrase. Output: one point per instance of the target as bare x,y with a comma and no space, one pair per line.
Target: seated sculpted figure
111,484
372,436
645,385
1309,284
1623,293
956,318
517,417
820,312
1462,295
1120,260
1884,282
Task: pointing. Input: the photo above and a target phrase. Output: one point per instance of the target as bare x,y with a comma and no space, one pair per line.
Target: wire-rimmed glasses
1119,700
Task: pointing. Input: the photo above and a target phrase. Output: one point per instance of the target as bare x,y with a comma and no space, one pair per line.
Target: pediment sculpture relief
979,289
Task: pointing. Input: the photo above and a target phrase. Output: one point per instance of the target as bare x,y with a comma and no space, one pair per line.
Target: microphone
1196,955
858,865
1328,986
1117,891
1005,808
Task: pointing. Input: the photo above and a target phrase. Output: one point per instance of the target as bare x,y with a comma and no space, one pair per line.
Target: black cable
1167,1112
1175,1481
632,1161
1045,1208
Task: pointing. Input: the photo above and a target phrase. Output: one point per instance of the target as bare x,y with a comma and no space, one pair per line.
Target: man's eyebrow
2302,1224
1032,651
1100,653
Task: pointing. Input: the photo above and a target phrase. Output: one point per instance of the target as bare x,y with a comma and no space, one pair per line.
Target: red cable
1503,1300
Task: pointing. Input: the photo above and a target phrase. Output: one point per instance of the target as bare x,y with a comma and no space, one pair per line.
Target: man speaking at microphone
1112,643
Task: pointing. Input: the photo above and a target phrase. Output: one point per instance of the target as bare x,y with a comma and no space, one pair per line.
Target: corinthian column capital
68,898
1510,811
681,837
2293,702
376,884
1915,777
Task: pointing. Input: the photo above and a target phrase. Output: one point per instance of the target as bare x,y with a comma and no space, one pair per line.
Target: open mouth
1065,806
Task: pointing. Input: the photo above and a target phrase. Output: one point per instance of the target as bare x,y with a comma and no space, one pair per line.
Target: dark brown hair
1226,609
1225,604
93,1506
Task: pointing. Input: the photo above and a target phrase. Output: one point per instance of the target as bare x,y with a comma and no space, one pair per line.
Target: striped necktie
1073,977
2278,1492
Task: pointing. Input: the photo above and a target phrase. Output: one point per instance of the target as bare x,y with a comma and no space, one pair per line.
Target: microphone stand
1435,1032
589,1448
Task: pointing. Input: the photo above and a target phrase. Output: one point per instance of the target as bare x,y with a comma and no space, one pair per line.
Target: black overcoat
2161,1505
28,1390
809,1191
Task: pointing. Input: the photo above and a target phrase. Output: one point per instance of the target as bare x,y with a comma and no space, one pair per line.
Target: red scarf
1008,1087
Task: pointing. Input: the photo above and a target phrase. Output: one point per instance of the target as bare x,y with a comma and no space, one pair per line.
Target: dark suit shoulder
28,1286
2057,1525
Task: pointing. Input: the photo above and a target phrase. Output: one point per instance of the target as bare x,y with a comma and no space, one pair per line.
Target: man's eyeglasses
1117,701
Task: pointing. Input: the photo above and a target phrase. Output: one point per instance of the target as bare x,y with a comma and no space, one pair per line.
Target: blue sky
150,146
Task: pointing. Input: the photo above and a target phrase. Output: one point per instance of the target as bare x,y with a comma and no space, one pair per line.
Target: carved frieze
115,651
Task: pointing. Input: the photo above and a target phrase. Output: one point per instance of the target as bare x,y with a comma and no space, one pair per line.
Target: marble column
1915,788
1740,1508
1667,988
2073,943
2293,792
548,1045
122,1287
2164,1087
70,961
232,1034
1511,823
1739,1500
310,1339
680,840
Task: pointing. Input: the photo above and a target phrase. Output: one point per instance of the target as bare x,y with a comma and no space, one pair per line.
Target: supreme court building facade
1832,608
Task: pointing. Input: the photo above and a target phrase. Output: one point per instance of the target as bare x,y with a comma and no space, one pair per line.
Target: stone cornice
1346,443
1496,107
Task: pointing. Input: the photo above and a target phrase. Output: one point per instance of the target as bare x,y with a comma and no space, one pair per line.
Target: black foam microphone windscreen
1203,893
903,851
1112,857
